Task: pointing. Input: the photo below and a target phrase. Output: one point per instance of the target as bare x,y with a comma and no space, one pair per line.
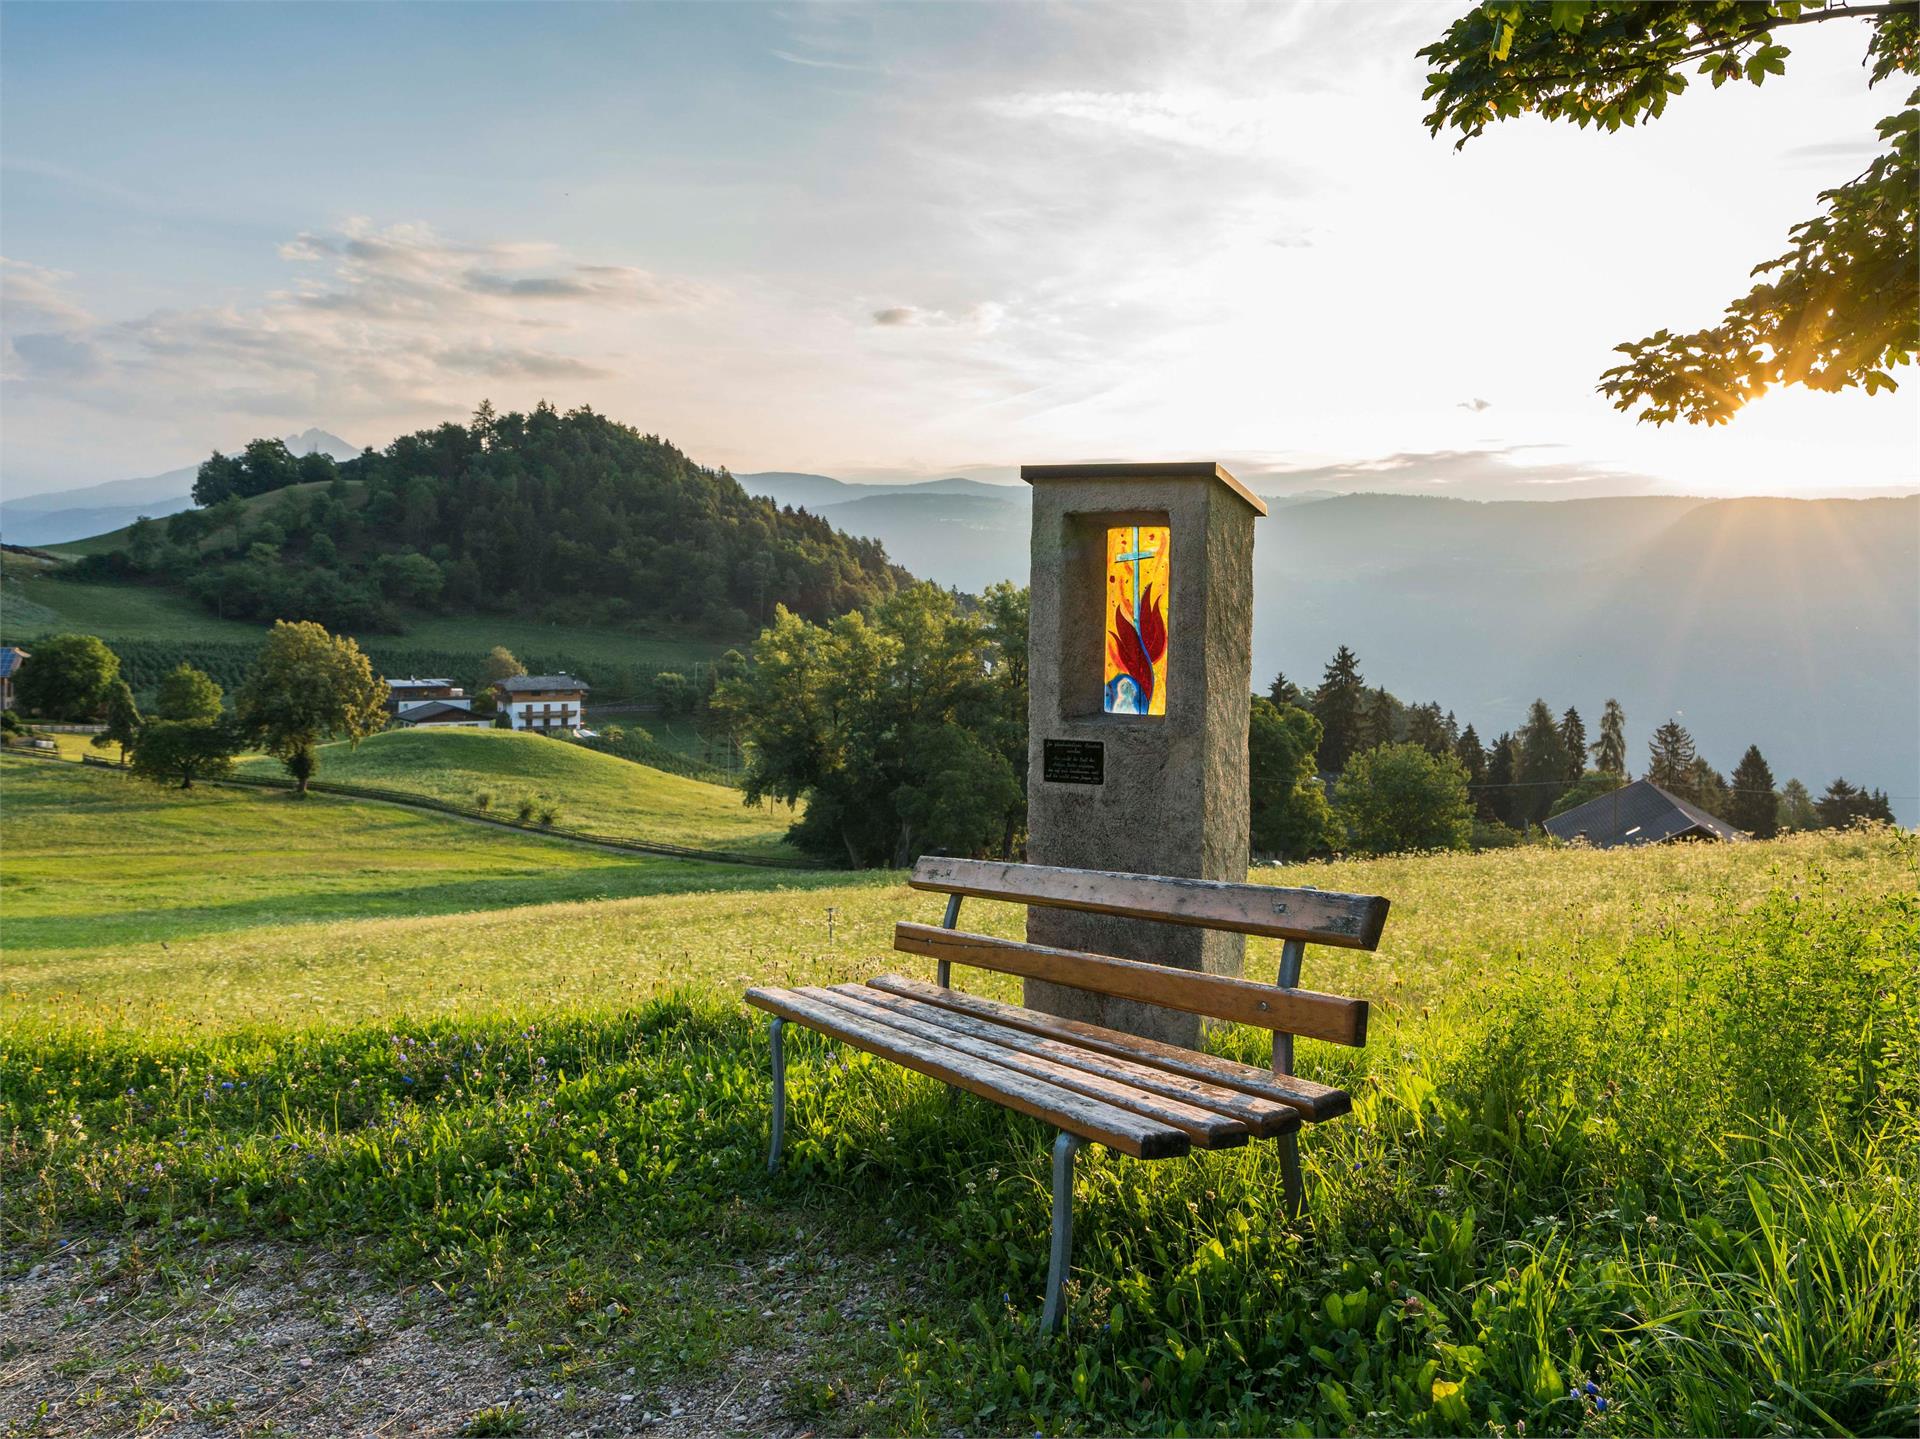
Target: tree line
903,729
1509,785
558,517
305,687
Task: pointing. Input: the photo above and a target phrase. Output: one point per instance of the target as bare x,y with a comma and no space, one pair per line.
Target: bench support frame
1061,1253
1292,954
776,1032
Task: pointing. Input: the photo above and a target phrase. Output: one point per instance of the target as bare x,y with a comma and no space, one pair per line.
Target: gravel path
269,1339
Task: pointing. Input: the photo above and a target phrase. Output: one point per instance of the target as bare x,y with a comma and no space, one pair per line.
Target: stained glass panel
1136,672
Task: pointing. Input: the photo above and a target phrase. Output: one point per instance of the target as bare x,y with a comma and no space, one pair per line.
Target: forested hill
572,517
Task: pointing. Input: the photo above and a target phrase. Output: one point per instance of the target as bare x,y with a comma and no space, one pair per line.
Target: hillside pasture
1633,1151
163,896
38,603
587,790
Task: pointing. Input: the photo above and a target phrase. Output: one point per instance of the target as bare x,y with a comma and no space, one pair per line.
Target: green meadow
584,789
1635,1147
37,603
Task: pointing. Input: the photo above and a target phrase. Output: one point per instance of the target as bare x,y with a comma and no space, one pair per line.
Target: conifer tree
1427,728
1542,765
1473,759
1670,757
1500,773
1707,788
1610,750
1796,810
1573,739
1337,705
1284,691
1753,806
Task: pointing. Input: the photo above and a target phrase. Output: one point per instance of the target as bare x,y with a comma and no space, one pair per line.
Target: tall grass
1658,1179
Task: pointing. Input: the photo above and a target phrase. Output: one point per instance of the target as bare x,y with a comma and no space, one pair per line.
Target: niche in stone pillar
1136,620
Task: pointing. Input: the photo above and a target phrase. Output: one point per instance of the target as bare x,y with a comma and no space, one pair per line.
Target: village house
439,703
11,658
546,703
1639,813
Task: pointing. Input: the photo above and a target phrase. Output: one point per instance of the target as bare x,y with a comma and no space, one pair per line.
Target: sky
890,242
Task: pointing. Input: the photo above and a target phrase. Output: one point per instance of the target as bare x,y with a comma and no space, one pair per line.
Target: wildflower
1592,1388
226,1084
1600,1403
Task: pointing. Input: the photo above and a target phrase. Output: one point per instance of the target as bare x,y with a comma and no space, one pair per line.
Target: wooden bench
1139,1096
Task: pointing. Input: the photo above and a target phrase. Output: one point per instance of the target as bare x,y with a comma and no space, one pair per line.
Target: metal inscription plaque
1073,761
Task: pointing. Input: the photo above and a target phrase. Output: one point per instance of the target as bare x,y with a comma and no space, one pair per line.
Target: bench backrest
1315,916
1351,921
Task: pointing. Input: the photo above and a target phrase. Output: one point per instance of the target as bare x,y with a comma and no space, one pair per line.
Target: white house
542,702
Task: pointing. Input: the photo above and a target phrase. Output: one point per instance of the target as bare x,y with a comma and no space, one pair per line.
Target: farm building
542,702
1639,813
402,693
441,714
11,658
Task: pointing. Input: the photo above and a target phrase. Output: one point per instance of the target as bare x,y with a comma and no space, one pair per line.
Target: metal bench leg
777,1031
1063,1149
1296,1193
1292,953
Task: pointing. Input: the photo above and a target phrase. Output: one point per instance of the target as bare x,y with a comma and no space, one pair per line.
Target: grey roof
419,684
540,684
1639,813
434,710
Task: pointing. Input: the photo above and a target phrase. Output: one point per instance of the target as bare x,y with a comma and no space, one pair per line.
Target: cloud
1501,473
375,321
1860,148
33,297
983,318
1192,119
1476,405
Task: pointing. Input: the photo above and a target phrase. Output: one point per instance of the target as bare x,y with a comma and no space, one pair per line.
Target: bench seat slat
1293,1011
1264,1117
1207,1128
1314,1101
1349,921
1107,1124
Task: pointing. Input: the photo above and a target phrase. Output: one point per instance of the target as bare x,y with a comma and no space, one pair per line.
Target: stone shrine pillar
1140,663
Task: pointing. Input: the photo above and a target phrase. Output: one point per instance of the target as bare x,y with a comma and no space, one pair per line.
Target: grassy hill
33,603
255,506
1553,1178
591,791
101,868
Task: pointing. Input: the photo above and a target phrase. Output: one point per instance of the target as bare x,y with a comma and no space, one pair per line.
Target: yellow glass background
1125,540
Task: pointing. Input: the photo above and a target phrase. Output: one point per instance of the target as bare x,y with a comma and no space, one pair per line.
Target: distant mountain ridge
1792,624
57,516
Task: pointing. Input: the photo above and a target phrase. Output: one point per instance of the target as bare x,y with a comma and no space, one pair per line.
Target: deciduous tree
186,693
1398,797
123,720
1841,306
308,686
183,750
1287,806
874,718
67,677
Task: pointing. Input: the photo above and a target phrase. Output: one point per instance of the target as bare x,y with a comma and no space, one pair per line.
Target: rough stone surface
1174,800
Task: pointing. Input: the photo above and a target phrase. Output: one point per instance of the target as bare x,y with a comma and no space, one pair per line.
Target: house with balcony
548,704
